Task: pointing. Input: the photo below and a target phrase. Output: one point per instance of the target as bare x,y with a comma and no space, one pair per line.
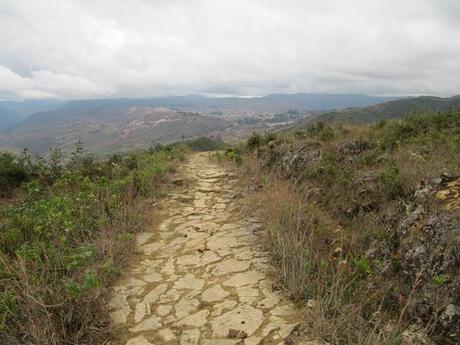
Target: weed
439,279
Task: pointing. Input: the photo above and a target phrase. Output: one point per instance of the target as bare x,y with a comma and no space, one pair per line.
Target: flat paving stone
200,276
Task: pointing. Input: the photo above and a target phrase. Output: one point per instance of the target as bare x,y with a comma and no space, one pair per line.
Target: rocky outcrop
425,243
418,245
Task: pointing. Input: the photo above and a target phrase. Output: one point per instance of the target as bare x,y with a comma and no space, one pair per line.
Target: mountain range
391,110
107,125
109,129
14,113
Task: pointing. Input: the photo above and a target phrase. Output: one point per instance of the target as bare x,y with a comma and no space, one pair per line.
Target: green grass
64,234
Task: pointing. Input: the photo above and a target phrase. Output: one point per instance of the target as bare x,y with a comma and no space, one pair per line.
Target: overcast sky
108,48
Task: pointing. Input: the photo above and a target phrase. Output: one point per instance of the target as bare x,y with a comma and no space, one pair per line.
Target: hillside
106,125
270,103
105,128
8,118
277,102
392,110
363,224
13,113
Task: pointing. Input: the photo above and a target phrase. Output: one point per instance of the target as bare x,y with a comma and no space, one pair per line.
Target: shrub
12,173
392,134
254,141
233,154
391,183
269,136
205,144
320,131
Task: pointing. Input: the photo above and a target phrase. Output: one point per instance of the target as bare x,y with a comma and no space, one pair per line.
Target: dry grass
324,214
298,237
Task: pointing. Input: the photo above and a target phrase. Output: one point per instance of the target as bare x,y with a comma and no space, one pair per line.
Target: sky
75,49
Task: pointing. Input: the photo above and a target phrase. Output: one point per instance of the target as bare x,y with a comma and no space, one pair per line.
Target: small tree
55,159
76,155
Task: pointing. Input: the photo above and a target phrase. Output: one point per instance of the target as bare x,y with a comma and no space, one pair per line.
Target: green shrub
12,173
439,279
362,266
254,141
391,183
205,144
233,154
269,136
320,131
347,204
425,127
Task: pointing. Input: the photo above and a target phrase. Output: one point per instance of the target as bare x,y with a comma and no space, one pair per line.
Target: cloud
107,48
47,84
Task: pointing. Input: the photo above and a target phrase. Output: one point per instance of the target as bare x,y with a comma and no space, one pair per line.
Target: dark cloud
107,48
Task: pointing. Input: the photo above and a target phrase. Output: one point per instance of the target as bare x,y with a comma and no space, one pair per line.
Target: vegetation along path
201,276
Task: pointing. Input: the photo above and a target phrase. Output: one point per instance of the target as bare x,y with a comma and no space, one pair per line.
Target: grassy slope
392,110
64,234
361,221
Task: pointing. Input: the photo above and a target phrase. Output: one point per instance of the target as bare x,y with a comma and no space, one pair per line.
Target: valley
109,125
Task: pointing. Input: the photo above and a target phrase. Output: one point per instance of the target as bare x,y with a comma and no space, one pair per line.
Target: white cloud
47,84
86,48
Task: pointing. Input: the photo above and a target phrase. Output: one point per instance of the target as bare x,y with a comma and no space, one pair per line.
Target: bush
269,136
233,154
205,144
320,131
391,183
12,173
254,141
392,134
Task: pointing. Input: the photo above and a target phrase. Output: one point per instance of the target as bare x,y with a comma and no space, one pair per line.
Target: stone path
201,276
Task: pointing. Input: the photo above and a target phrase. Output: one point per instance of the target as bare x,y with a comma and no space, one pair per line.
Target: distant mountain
105,128
273,103
8,118
111,124
14,112
391,110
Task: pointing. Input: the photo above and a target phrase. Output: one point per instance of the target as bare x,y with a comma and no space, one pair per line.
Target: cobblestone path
201,275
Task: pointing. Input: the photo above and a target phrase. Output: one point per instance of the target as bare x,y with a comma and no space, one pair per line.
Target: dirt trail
201,276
